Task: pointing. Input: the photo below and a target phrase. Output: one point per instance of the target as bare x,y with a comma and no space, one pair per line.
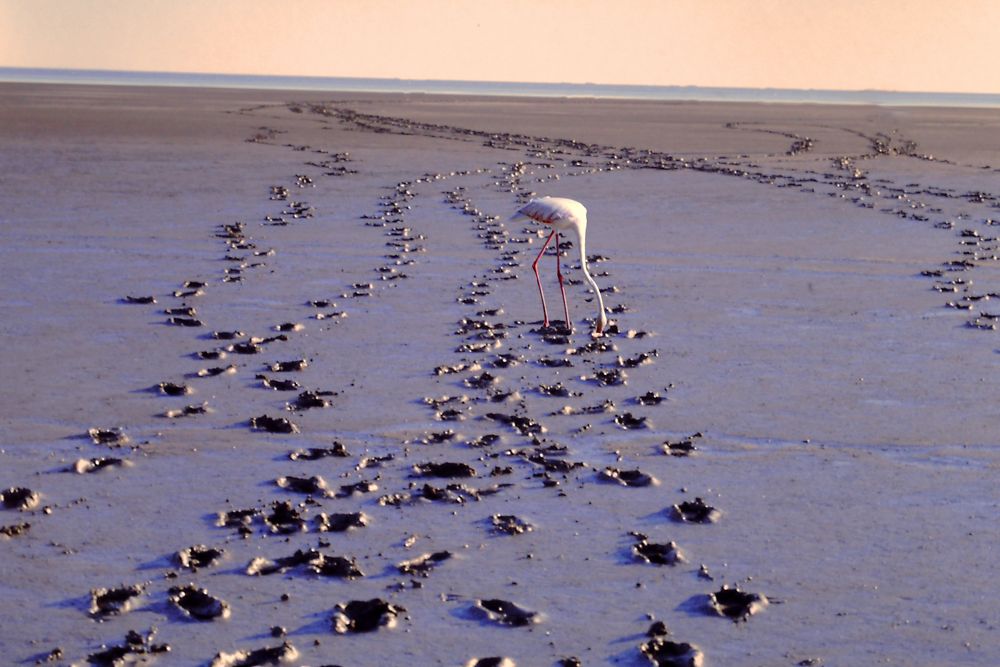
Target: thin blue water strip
441,87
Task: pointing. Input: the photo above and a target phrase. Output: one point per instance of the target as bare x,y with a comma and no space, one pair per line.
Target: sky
906,45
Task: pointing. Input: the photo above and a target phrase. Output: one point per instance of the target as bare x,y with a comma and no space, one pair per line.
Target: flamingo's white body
563,214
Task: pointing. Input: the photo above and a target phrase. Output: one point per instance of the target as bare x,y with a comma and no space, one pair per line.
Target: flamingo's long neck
602,319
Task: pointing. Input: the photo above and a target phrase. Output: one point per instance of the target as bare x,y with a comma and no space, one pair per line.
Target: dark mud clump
506,613
611,377
113,601
524,425
510,524
112,437
241,519
649,398
629,422
19,498
735,604
216,370
311,399
556,389
315,453
172,389
638,360
436,438
683,447
185,321
627,477
338,523
15,530
314,485
364,486
198,556
364,616
310,560
288,366
197,603
662,652
270,655
273,424
94,465
447,469
127,653
279,385
657,554
485,440
695,511
284,519
422,565
187,411
482,381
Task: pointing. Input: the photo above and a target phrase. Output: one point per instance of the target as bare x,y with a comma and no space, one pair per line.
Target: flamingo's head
602,324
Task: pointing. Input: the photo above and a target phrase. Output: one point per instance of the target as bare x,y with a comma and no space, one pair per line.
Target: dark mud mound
635,478
273,424
657,554
185,322
271,655
338,523
364,616
197,603
139,299
136,649
683,447
735,604
314,485
631,422
506,613
695,511
288,366
649,398
284,519
187,411
15,530
311,399
316,453
662,652
524,425
215,370
83,466
422,565
447,469
173,389
114,601
112,437
198,556
19,498
495,661
310,561
279,385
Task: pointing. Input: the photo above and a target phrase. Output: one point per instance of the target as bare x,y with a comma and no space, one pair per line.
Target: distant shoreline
505,89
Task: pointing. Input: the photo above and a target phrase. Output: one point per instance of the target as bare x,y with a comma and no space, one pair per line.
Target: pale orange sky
915,45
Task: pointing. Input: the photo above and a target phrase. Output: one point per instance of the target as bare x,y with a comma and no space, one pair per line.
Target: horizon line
247,78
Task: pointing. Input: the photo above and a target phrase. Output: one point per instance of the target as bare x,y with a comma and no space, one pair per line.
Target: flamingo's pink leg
534,266
562,287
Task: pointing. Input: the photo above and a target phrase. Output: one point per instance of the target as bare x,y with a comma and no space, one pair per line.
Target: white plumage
562,214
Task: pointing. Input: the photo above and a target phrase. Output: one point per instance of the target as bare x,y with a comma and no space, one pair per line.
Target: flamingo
562,214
